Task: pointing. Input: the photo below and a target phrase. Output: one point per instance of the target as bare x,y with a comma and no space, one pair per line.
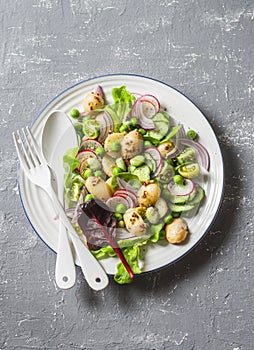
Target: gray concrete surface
203,48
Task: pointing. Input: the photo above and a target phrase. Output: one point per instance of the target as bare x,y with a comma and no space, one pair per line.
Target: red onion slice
202,153
129,195
144,122
153,100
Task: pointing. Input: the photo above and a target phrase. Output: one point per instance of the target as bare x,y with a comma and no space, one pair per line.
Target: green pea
118,216
98,173
134,121
192,134
87,173
115,147
88,197
124,128
116,170
100,151
142,131
147,144
121,224
74,113
168,219
121,208
178,179
175,214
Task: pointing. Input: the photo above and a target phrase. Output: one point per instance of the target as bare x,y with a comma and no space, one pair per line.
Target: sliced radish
125,185
115,200
181,190
89,144
127,198
154,152
83,156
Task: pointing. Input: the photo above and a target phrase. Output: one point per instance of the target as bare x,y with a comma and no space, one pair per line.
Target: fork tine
34,144
19,151
26,153
31,151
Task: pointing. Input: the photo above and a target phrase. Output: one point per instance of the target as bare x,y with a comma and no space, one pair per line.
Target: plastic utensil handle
94,274
65,269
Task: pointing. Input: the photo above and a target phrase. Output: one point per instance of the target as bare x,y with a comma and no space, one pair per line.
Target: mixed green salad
134,178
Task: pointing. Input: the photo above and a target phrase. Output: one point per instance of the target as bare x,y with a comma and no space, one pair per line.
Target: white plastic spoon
56,129
58,136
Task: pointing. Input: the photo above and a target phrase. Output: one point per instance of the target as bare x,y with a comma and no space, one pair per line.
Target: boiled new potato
132,144
113,144
176,231
108,164
99,188
134,222
148,194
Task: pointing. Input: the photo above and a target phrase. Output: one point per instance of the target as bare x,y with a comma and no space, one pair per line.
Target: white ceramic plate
38,207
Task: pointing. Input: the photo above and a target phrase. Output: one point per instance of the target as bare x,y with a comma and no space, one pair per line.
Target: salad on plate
134,180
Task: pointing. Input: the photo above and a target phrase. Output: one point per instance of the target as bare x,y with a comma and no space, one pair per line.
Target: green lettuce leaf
132,257
121,107
104,252
72,183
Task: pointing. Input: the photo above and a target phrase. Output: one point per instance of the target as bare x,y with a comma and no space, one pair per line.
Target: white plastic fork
37,171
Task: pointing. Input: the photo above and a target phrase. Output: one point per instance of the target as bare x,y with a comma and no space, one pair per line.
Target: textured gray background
203,48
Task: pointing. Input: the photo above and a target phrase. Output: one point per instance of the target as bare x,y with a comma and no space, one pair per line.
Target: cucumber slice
178,199
161,123
154,135
161,117
199,196
150,161
142,172
178,208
